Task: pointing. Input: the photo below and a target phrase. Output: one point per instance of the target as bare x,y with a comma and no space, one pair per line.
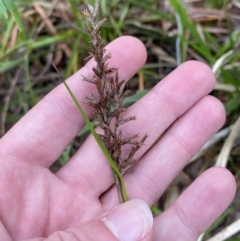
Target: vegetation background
173,31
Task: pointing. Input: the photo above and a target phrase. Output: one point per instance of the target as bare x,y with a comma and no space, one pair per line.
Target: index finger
43,133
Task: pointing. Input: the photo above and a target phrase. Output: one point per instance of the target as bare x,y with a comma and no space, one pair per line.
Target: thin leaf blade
13,9
3,10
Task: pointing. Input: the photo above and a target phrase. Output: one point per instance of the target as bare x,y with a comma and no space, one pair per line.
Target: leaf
10,6
187,24
3,10
7,65
44,41
134,98
144,5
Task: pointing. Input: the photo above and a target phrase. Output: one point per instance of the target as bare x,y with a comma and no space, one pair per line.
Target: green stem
118,186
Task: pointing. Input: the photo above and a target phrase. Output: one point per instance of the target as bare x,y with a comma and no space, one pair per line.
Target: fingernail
130,221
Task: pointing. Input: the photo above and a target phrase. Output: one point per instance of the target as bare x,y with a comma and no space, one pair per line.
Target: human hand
74,203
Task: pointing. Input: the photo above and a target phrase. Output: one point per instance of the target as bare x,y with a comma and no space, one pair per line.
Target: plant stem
118,186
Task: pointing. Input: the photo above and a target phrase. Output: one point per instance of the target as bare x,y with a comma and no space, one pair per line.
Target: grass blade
3,10
9,4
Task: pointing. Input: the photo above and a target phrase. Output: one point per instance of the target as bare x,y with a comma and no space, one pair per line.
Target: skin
35,203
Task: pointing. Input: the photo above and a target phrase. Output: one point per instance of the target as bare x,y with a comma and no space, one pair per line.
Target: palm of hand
38,203
34,202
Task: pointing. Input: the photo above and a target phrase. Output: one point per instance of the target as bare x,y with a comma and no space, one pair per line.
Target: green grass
176,32
9,6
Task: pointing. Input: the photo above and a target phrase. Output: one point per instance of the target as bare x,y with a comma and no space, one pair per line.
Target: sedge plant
108,106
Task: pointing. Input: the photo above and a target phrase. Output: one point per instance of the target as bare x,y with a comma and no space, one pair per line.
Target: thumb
130,221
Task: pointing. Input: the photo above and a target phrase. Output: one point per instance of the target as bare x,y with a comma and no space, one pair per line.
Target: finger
169,100
197,208
3,233
131,221
47,129
158,168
